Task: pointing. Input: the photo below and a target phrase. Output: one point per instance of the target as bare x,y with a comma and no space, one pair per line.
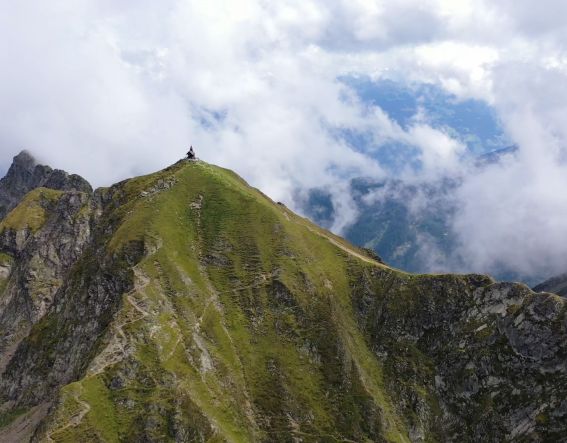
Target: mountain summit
25,174
187,306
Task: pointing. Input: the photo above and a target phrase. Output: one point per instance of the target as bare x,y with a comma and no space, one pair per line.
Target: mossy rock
32,212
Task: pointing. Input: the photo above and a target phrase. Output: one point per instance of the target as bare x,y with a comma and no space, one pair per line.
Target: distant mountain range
408,225
557,285
472,122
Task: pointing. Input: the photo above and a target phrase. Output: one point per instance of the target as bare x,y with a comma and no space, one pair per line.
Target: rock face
186,306
37,258
25,175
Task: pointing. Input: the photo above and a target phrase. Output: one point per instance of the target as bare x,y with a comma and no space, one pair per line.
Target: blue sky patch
473,122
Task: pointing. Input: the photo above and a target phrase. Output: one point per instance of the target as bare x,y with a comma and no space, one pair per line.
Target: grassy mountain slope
227,307
202,311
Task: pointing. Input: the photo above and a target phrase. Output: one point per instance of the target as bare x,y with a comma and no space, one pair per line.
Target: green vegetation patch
31,212
101,410
5,259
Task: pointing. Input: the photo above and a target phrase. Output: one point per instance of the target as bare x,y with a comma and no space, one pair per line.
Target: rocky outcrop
59,290
40,258
25,174
39,242
470,359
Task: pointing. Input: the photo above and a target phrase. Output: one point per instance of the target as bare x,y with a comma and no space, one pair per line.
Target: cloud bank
111,89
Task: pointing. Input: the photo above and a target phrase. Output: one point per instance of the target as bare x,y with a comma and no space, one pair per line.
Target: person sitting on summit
191,154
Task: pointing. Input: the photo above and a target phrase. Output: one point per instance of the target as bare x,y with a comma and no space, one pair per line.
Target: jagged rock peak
24,159
25,175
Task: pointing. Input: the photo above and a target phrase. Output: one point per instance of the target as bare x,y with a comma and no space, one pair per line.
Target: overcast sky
114,88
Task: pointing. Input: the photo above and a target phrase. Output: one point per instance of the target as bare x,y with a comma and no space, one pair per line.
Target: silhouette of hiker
191,154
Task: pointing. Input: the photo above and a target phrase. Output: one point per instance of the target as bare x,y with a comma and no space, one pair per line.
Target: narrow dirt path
115,351
264,279
344,247
140,283
75,419
348,250
138,308
297,219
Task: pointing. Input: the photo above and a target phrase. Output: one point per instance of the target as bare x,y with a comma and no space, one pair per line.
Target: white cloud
111,89
515,213
440,154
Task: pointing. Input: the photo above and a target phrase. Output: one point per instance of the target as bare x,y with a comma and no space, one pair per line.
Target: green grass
250,322
31,212
102,415
5,259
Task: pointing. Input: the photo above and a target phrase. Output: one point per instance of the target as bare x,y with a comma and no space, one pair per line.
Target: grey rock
492,358
25,174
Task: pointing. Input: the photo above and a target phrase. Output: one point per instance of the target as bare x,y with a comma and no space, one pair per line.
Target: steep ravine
187,306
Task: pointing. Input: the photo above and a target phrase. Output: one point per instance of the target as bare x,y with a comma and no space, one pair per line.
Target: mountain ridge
26,174
186,306
556,284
